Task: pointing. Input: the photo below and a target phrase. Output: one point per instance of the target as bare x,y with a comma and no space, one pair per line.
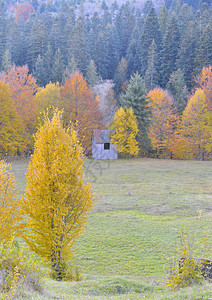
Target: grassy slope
134,226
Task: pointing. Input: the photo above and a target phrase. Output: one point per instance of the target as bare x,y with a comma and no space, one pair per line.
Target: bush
19,270
188,270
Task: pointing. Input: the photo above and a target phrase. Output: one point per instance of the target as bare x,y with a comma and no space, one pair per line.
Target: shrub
188,270
19,270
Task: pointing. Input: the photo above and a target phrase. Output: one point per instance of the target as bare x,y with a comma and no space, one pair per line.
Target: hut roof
102,136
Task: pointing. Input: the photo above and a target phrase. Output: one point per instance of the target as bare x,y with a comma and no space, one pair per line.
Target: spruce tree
186,54
99,54
78,45
135,97
58,67
39,71
92,75
121,75
38,42
176,85
152,72
71,68
48,63
111,52
171,43
125,22
2,33
204,51
150,31
148,5
6,61
132,56
163,17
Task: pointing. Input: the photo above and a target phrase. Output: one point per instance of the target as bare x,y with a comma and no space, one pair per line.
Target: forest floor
134,228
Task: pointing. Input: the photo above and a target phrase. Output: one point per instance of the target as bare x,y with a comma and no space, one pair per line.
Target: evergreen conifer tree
92,75
150,31
204,51
58,67
171,43
176,85
135,97
152,72
186,54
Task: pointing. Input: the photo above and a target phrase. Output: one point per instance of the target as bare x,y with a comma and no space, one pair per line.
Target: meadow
134,228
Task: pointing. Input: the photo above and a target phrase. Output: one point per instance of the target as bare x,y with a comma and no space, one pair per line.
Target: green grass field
134,227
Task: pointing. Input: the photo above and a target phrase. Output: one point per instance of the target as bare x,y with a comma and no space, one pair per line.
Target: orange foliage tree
23,11
23,88
204,81
81,107
163,121
194,133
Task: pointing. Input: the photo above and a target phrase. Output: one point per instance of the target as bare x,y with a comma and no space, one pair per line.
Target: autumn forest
155,58
139,73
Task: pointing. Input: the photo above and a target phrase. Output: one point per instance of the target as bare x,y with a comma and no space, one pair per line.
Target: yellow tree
9,214
163,121
48,96
11,127
56,197
23,88
194,134
125,125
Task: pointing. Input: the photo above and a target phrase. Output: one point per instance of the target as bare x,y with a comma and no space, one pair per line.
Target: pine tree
70,69
39,71
92,75
176,85
152,72
186,54
99,54
163,17
58,67
186,15
56,198
2,33
150,31
124,22
38,43
135,97
171,43
204,51
111,52
48,59
78,45
6,61
148,5
121,75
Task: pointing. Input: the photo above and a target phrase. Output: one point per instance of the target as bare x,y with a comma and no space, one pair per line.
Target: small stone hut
101,145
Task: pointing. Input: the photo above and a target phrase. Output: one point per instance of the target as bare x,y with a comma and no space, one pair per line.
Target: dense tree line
149,61
53,39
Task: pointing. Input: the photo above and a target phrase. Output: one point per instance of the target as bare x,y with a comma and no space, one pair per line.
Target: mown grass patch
134,227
